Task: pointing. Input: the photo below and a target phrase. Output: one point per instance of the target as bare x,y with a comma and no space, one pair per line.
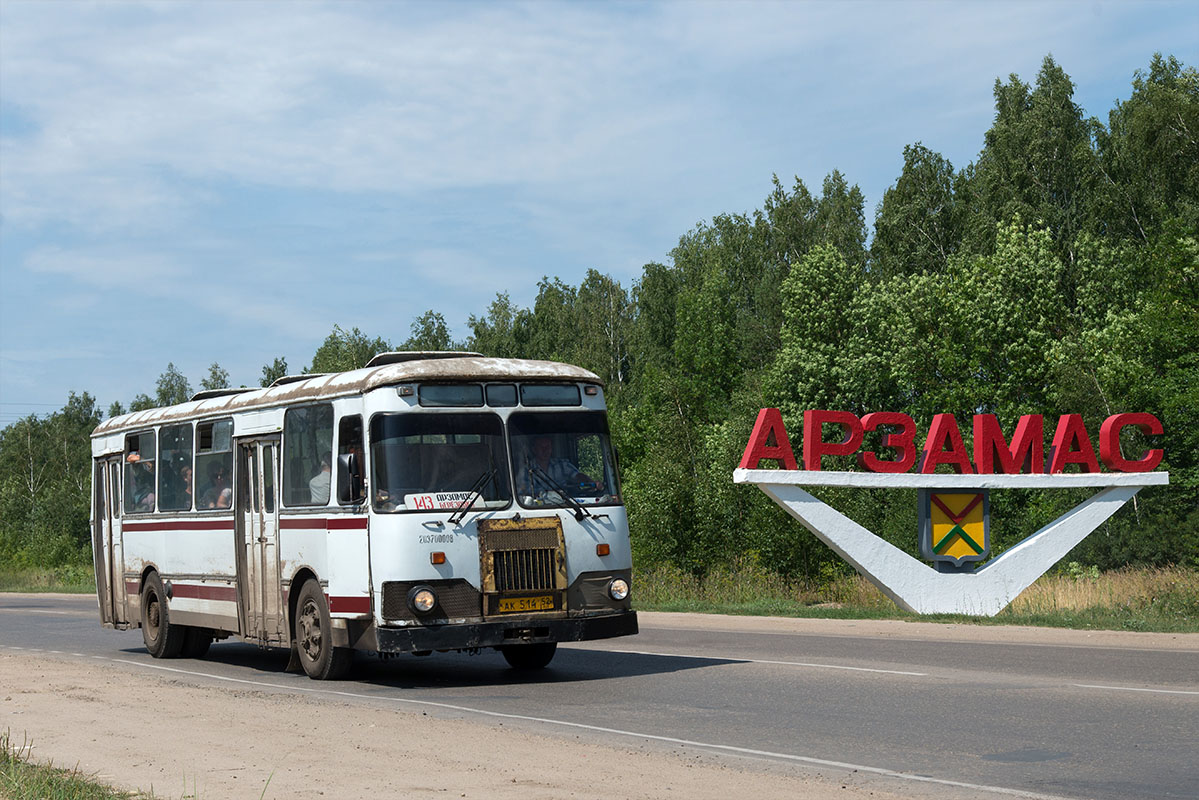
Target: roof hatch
400,356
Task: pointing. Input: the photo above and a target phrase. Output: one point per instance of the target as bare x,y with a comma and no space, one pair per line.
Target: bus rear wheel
162,639
314,637
529,656
196,642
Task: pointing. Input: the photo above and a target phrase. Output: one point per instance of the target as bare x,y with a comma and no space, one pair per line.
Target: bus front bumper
526,630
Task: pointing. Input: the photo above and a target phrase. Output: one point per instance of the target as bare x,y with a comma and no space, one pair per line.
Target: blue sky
226,181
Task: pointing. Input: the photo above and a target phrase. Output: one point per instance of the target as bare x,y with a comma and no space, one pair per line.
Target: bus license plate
542,602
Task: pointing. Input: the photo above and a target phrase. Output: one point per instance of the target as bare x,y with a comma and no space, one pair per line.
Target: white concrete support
917,587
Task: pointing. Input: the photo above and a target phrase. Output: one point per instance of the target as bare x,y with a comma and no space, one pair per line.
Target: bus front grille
525,570
523,558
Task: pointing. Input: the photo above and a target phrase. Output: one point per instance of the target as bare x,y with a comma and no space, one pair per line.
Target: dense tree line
1057,272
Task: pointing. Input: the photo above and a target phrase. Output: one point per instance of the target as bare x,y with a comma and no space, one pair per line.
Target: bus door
261,607
106,541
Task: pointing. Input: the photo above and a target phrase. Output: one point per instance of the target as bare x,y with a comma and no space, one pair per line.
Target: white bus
429,501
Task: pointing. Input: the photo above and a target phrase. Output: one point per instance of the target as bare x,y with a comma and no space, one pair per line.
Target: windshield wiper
580,512
466,503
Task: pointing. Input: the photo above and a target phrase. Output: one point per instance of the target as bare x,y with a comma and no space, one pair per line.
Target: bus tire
162,639
314,636
529,656
196,642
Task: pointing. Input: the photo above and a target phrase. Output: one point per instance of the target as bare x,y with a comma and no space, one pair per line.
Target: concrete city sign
954,508
943,444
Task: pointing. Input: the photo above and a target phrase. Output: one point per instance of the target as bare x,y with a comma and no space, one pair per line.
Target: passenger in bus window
219,494
318,487
143,483
186,473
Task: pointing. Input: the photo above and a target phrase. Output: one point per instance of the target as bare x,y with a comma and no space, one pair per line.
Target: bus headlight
618,589
421,599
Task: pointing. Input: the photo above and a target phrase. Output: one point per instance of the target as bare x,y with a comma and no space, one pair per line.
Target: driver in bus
542,470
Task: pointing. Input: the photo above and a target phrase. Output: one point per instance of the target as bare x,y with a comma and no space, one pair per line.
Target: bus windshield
429,462
559,457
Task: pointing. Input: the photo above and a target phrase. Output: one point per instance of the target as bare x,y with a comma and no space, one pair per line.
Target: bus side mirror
349,479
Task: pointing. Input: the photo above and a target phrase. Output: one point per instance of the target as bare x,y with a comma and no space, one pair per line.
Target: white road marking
741,751
758,661
44,611
1132,689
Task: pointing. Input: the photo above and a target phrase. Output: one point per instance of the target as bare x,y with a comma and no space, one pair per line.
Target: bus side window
114,493
139,472
307,455
214,465
349,442
175,468
268,479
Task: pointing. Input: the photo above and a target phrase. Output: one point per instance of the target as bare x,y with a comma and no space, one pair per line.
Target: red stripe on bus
347,524
349,605
185,525
304,523
196,592
321,523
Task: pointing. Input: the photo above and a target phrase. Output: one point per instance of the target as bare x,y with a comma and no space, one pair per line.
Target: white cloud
144,272
132,102
326,99
464,148
164,286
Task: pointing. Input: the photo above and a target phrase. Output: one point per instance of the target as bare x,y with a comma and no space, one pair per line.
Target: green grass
1138,599
22,779
74,579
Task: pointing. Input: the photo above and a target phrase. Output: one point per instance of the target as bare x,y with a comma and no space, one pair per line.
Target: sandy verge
139,730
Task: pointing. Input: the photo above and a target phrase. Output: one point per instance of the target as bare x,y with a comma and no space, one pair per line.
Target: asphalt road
933,708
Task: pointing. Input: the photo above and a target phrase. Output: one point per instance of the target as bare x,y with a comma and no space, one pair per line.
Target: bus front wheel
529,656
314,637
162,639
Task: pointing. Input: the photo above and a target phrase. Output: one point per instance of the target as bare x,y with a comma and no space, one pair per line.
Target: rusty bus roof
342,384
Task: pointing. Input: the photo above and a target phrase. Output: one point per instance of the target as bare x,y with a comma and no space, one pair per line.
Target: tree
790,224
818,298
273,371
344,350
705,347
604,313
1037,165
920,220
142,402
655,298
45,479
553,325
1149,153
429,332
503,332
840,220
172,387
217,378
116,409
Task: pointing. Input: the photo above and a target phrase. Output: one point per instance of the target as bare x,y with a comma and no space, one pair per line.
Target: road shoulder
136,729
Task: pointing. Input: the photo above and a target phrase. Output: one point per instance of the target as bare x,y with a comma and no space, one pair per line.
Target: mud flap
293,661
